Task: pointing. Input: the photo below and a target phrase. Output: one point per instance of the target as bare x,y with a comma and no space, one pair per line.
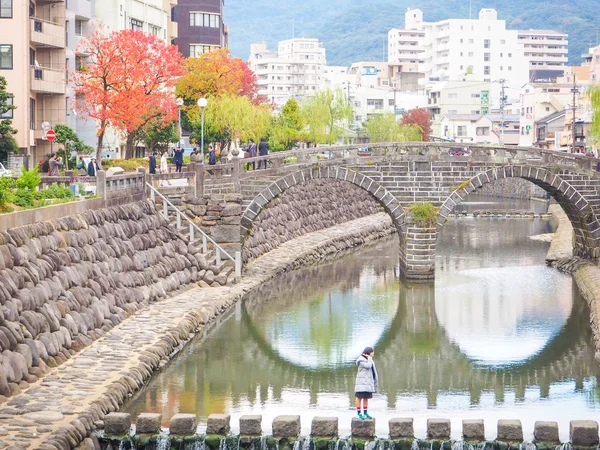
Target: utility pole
575,91
503,99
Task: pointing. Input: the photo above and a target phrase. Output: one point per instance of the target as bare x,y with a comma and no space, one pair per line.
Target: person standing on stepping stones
367,382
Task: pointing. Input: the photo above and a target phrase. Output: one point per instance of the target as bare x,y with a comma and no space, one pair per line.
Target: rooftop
541,32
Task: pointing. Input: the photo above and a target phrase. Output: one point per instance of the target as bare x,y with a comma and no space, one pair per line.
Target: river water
498,336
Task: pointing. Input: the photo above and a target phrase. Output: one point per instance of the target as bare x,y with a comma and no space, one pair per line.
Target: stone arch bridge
398,175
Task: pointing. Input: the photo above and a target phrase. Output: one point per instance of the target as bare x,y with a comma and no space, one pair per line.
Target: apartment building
200,26
451,98
592,60
32,59
538,101
547,52
405,46
296,70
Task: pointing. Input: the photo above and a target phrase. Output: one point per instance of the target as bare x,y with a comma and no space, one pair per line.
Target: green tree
327,115
385,128
594,94
65,136
287,127
156,136
8,143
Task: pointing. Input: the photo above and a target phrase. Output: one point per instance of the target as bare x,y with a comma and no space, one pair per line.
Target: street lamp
179,105
202,103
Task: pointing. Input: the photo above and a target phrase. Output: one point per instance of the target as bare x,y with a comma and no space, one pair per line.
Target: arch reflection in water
289,348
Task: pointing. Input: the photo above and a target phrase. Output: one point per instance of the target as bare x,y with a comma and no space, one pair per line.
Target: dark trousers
253,165
262,162
178,167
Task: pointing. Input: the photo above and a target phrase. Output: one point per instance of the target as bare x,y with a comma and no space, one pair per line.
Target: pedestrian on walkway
54,165
367,382
81,167
153,163
251,153
164,165
263,150
93,168
178,159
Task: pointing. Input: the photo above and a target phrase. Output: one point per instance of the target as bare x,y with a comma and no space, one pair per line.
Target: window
486,43
153,29
486,57
471,41
470,54
502,41
475,112
452,95
509,68
391,102
475,95
198,19
510,55
547,109
196,50
461,130
6,9
483,131
79,63
137,24
67,105
375,103
32,113
486,70
6,56
8,114
79,27
450,111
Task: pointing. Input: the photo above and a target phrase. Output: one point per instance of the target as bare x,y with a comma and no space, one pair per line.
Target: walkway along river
499,336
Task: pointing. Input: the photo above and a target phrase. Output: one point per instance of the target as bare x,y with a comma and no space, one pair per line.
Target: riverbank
60,410
586,274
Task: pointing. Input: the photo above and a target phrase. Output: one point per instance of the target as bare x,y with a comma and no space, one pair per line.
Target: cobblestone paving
60,410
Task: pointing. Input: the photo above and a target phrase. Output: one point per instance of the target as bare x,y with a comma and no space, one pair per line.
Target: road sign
50,135
528,127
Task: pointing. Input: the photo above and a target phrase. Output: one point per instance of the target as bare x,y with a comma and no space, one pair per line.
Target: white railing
219,251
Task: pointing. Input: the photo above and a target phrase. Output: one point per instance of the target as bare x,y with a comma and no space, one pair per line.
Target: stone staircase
251,187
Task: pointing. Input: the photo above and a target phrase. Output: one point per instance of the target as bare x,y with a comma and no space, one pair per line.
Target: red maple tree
127,81
420,117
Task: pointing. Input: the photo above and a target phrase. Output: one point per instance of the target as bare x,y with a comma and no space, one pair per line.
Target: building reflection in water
499,336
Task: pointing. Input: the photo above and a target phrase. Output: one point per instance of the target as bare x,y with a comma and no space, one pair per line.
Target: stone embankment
324,430
585,273
61,410
513,188
66,282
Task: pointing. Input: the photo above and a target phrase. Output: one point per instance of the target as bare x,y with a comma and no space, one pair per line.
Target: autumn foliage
420,117
217,73
127,82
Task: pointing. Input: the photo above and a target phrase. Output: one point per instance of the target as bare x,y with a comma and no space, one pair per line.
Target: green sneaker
361,416
366,416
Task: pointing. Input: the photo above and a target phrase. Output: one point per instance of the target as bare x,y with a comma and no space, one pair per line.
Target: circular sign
50,135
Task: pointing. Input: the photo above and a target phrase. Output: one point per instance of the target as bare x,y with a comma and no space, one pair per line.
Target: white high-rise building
405,47
296,70
546,50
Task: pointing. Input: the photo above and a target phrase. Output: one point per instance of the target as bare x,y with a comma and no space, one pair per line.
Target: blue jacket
152,164
178,156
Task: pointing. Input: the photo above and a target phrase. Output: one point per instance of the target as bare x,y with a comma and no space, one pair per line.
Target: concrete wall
307,207
65,282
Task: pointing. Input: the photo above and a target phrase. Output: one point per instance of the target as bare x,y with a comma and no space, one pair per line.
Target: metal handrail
237,261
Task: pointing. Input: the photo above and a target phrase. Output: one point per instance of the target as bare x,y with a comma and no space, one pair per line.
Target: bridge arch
586,225
377,191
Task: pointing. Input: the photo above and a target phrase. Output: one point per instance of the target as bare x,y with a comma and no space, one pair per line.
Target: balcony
82,9
47,81
173,29
47,34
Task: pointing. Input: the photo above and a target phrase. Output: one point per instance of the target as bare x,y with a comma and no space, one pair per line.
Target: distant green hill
355,30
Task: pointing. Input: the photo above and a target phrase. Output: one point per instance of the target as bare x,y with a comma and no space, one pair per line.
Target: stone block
584,433
231,210
324,426
286,426
473,430
183,424
546,432
510,430
438,428
363,428
250,425
226,233
116,424
402,428
148,423
218,424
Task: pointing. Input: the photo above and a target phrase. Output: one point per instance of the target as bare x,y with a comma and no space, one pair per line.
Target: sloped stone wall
304,208
513,188
65,282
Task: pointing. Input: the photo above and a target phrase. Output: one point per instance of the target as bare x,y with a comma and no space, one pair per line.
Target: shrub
23,198
29,179
128,165
424,214
58,191
7,183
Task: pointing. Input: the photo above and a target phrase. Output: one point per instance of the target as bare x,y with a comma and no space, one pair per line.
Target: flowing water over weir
498,336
